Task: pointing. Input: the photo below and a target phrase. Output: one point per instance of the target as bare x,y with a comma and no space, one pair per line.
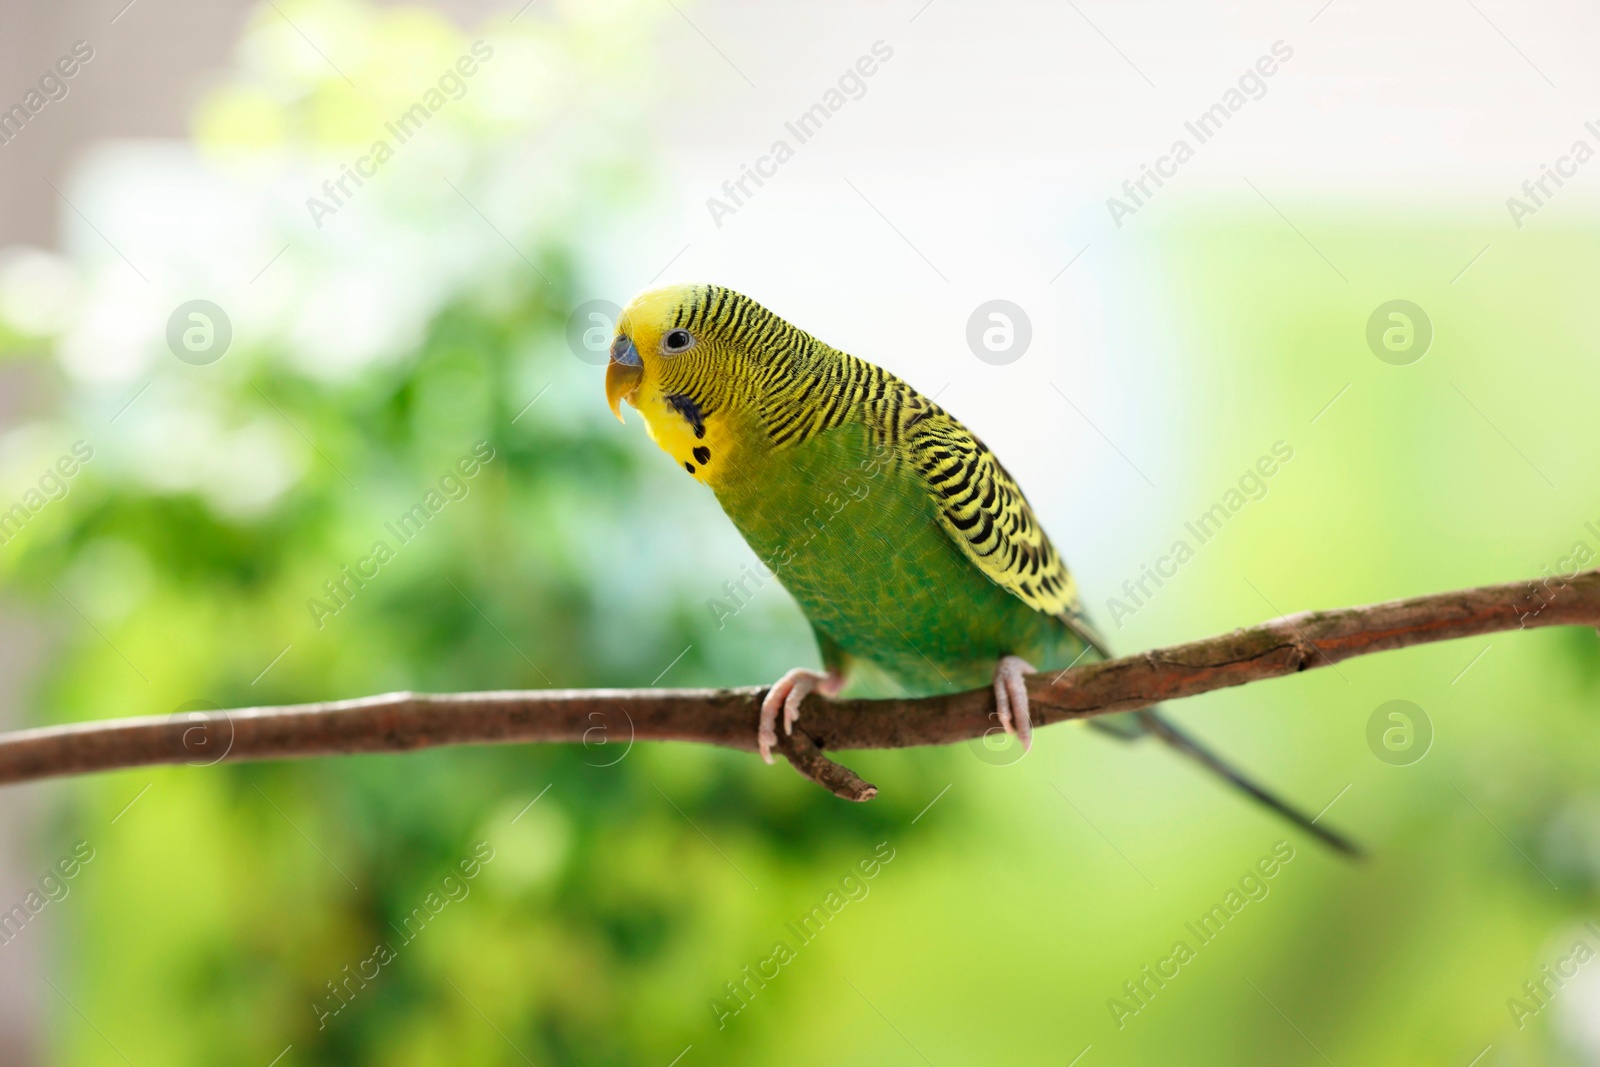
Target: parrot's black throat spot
702,455
686,406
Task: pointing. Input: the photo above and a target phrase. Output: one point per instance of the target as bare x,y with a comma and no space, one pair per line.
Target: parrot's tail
1154,724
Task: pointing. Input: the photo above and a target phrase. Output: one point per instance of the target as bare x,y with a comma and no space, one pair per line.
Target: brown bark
400,722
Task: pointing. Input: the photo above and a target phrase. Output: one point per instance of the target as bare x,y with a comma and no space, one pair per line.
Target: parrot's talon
787,693
1011,698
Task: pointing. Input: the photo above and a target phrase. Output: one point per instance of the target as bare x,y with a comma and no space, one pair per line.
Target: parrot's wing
982,509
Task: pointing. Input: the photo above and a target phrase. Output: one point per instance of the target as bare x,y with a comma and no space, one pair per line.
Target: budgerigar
906,544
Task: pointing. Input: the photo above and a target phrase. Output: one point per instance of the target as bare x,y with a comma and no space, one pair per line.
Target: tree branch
402,722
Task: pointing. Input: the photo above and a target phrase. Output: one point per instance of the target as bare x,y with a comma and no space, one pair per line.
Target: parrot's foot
1011,698
787,693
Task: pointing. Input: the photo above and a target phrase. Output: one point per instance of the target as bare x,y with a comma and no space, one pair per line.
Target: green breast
852,534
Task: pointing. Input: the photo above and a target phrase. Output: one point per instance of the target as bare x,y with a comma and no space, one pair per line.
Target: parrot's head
689,341
695,362
690,356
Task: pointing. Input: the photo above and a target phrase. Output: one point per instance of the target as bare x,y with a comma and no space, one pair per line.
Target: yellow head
691,359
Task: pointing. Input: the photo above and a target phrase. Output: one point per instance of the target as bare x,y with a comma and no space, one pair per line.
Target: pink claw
1011,698
787,693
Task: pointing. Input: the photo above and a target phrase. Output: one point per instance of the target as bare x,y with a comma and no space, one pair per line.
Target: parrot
907,545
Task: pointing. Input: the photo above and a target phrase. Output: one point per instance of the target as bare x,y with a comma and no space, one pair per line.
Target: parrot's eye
676,341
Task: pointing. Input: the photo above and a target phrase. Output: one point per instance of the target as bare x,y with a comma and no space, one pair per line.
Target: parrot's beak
623,373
